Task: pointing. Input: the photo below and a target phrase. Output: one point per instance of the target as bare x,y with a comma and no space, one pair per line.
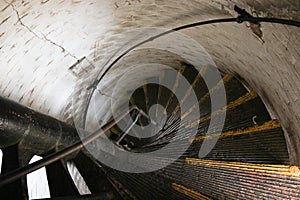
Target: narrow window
78,179
37,182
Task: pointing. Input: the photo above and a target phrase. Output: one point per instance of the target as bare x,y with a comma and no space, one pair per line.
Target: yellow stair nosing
282,170
273,124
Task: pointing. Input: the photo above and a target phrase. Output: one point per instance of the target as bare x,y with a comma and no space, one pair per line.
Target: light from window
78,179
37,182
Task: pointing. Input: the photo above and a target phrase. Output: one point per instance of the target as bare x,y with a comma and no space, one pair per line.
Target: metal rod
20,172
239,19
128,129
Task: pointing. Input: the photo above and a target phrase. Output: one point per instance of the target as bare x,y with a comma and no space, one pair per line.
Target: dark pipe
31,129
12,123
18,173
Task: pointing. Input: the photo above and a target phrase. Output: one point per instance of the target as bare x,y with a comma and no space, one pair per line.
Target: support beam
60,181
16,190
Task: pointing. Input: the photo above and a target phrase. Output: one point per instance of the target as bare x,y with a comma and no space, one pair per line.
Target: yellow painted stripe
132,101
189,192
282,170
146,95
196,80
273,124
180,71
225,79
247,97
189,111
160,88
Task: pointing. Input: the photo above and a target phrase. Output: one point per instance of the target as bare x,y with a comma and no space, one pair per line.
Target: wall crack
43,36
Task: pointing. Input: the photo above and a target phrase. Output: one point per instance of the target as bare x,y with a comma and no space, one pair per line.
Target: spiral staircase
250,159
256,155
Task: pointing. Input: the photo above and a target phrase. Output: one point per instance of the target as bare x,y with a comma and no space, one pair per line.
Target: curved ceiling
48,46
